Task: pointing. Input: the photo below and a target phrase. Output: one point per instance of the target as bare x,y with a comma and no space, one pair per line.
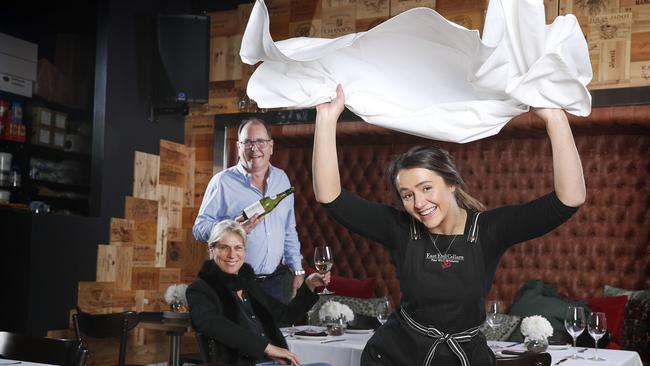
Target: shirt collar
242,170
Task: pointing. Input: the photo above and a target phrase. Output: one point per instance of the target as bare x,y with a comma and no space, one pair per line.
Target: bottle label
255,208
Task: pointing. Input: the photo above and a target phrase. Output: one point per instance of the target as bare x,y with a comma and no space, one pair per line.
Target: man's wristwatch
299,272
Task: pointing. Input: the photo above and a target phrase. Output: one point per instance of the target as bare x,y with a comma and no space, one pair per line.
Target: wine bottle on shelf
265,205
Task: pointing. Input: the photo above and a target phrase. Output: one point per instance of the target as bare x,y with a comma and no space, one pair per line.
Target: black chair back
208,350
63,352
106,326
527,359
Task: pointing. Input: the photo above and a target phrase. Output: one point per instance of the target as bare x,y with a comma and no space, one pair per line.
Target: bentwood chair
106,326
63,352
527,359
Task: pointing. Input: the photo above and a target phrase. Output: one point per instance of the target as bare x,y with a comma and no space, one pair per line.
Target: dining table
345,350
174,328
10,362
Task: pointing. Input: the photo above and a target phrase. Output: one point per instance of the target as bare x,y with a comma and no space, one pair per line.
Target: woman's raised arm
325,166
568,177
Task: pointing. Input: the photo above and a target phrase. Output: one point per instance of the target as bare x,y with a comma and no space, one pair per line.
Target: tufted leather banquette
606,242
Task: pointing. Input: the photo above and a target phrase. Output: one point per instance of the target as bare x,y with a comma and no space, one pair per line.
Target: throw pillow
351,287
503,331
614,309
366,307
631,294
636,327
536,297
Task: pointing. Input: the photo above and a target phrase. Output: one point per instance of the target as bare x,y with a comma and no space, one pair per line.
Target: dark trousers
278,286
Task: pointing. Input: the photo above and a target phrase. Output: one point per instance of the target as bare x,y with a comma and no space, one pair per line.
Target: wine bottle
265,205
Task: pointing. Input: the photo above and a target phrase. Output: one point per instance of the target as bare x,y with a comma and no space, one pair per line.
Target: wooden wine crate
362,25
189,216
224,23
373,9
144,214
114,264
173,164
400,6
146,168
188,190
161,242
150,300
243,13
121,231
103,297
144,255
301,10
338,21
306,28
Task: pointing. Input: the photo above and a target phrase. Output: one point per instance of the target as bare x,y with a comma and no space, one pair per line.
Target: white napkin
421,74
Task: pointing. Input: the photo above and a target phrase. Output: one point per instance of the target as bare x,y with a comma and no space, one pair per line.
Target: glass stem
575,350
595,349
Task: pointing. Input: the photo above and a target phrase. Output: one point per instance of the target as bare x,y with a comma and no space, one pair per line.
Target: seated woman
227,305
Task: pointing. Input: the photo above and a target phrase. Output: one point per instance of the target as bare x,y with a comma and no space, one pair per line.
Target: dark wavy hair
437,160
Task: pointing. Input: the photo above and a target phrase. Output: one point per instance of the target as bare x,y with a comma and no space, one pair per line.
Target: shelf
61,186
48,153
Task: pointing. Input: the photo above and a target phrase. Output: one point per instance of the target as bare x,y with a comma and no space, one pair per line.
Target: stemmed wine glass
575,323
323,261
494,315
383,310
597,327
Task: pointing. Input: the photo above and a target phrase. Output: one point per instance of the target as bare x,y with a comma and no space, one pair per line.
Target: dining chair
208,350
63,352
106,326
527,359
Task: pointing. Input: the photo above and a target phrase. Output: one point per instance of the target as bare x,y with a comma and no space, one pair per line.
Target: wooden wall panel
173,164
121,231
146,169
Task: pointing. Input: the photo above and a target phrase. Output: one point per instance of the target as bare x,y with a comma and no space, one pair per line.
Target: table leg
174,349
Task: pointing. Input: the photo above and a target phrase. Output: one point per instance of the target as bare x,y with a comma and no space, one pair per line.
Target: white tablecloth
612,357
348,351
8,362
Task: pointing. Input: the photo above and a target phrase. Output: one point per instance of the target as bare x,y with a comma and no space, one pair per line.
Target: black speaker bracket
158,108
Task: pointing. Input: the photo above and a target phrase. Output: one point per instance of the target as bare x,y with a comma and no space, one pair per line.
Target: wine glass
597,327
494,315
575,323
323,261
383,310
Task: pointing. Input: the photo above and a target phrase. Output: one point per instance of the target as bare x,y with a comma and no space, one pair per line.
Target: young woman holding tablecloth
445,246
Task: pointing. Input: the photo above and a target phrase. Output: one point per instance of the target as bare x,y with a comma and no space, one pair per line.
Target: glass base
575,357
326,292
596,358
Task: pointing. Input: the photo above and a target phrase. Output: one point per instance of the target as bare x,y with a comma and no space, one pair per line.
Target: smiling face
427,197
229,252
254,158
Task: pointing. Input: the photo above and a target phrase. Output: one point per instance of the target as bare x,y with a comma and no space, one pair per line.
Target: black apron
445,292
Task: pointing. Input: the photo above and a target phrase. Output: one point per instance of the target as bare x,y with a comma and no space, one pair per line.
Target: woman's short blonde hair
222,228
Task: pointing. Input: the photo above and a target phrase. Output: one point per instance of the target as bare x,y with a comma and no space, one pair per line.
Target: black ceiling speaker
182,63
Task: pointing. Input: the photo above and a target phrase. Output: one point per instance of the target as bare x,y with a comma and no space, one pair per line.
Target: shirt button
253,316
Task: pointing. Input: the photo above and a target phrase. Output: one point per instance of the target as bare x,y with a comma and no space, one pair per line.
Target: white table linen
9,362
421,74
612,357
348,351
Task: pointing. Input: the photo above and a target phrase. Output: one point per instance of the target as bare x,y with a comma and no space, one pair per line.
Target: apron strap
473,230
452,340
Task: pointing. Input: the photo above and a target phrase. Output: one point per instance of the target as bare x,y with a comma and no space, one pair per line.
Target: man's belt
281,269
452,340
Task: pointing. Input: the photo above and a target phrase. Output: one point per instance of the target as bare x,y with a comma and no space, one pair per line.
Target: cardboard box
15,85
60,120
41,135
17,65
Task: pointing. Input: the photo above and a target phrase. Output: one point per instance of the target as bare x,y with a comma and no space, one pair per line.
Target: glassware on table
383,310
494,310
323,261
597,327
575,323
